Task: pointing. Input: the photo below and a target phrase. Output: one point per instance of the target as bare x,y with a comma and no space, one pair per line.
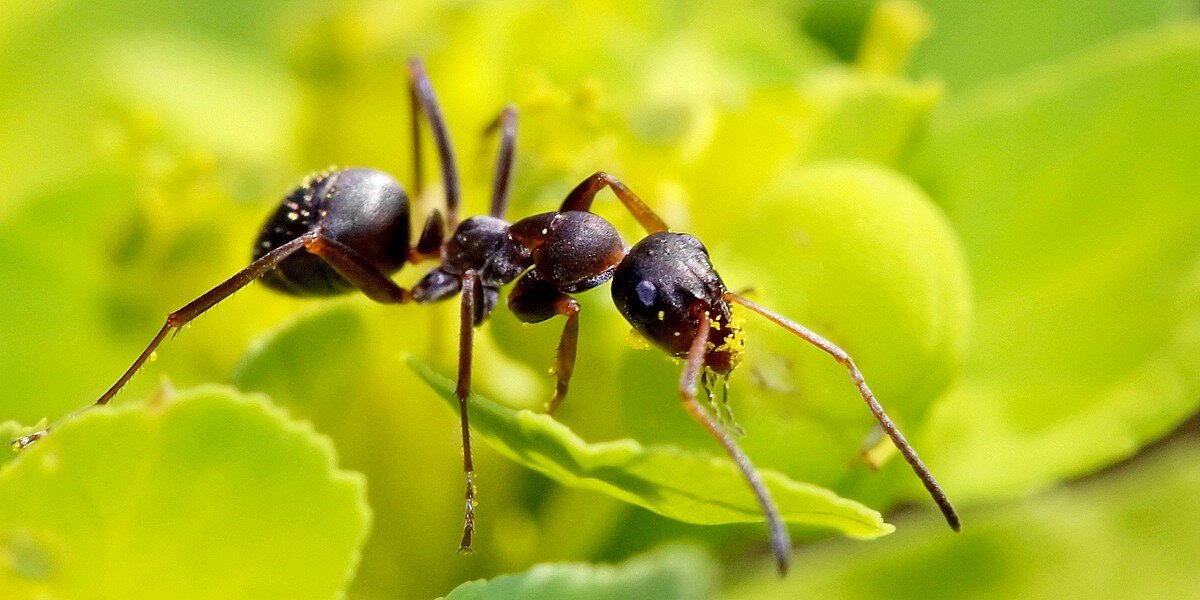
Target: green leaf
1134,533
1074,190
686,486
207,495
671,573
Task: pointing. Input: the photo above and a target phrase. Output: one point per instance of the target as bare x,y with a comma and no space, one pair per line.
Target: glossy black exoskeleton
349,229
364,210
665,286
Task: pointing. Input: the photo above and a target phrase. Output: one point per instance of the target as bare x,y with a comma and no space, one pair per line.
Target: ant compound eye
646,292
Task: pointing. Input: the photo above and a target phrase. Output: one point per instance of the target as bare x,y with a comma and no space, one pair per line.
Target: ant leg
532,301
429,244
889,427
183,316
581,198
469,314
422,92
564,356
358,271
781,542
506,124
414,112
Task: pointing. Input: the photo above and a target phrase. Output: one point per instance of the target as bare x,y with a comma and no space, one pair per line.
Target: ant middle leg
533,301
582,196
506,124
425,103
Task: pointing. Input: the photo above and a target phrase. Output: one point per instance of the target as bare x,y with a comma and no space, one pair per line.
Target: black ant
348,229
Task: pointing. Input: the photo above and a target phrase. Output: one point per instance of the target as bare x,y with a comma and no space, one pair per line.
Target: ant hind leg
425,103
180,318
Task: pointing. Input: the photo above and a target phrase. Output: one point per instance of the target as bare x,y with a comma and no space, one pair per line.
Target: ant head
663,288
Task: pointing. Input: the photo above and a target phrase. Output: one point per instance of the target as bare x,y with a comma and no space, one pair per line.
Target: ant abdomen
664,285
364,210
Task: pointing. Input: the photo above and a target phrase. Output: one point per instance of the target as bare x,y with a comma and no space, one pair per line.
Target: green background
994,207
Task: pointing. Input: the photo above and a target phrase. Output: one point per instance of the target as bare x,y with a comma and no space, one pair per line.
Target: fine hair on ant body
349,229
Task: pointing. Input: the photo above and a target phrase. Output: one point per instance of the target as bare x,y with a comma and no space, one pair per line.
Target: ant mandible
348,229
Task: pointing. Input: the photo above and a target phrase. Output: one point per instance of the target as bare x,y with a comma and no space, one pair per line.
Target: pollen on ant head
735,341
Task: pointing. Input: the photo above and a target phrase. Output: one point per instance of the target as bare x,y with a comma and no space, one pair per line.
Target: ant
348,229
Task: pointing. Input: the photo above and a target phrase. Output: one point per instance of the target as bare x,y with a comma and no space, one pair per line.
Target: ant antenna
889,427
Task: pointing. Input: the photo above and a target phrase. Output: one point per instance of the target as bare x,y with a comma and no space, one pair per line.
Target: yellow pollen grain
735,342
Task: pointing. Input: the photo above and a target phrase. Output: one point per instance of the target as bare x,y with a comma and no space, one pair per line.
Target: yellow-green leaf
686,486
672,573
206,495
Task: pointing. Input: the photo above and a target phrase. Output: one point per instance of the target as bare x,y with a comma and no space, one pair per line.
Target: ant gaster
349,229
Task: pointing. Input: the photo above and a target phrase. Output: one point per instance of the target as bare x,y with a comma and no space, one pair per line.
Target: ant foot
22,443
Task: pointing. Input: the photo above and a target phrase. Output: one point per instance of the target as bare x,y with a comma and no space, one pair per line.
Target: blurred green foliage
1131,534
1005,242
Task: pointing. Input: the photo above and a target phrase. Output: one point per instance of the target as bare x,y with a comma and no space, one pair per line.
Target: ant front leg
533,301
781,542
178,319
469,315
889,427
582,196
